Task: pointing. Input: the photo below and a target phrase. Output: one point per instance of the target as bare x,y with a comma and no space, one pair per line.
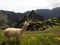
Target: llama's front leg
8,38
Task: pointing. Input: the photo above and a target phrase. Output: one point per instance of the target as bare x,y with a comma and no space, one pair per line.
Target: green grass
50,36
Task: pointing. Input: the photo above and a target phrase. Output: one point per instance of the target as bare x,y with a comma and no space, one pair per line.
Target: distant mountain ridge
39,14
49,13
46,13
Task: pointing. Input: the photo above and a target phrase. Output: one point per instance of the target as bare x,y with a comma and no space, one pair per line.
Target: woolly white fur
14,32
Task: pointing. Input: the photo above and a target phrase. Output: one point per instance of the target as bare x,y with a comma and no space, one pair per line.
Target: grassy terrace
50,36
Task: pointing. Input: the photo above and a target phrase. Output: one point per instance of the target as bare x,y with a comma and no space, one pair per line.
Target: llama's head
26,23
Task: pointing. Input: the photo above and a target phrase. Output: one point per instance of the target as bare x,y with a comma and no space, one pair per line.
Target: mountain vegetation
40,19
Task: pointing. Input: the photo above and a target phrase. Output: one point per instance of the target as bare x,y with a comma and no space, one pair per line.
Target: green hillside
50,36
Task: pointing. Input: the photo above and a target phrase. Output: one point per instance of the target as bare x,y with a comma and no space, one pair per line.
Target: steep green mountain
3,20
12,19
35,16
9,18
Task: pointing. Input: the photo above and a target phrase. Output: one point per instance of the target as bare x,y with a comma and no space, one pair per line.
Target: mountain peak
34,16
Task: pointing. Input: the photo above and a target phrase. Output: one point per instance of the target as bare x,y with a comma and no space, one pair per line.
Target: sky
27,5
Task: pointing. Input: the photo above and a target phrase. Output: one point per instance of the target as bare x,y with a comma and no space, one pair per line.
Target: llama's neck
24,28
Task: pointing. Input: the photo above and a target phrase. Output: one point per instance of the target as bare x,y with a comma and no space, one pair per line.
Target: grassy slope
50,36
55,29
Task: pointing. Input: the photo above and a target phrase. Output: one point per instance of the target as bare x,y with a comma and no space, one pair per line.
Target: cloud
55,3
25,5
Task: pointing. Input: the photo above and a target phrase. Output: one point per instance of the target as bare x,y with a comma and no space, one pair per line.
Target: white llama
15,32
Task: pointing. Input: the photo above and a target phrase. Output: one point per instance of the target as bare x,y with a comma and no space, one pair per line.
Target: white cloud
54,3
25,5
